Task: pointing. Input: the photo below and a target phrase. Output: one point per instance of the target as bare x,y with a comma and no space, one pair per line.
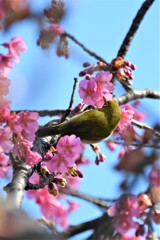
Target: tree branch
136,94
130,96
134,27
44,113
96,201
15,189
90,225
93,54
68,111
144,126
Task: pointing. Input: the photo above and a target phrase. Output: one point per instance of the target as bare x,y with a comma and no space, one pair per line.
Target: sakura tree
50,169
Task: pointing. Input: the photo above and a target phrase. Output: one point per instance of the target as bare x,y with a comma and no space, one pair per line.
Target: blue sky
44,81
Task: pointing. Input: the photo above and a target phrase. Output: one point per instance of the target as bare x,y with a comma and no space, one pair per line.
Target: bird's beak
105,102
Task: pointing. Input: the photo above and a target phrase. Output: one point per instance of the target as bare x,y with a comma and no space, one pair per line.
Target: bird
91,126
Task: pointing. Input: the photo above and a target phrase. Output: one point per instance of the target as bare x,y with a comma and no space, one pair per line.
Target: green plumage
91,126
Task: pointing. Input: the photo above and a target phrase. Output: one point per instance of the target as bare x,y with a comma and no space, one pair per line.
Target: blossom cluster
130,215
62,163
49,34
51,206
17,131
15,46
93,90
67,152
124,210
123,68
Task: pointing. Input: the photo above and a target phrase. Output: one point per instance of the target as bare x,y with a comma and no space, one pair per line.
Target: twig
134,27
15,189
136,94
68,111
93,54
144,126
97,201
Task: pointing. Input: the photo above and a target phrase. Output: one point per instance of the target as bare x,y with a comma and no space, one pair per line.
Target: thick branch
136,94
90,225
15,189
134,27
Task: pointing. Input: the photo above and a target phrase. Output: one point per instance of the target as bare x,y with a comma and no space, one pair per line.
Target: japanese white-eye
91,126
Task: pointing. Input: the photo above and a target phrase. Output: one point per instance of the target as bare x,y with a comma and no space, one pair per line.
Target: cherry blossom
124,210
5,140
6,62
4,166
100,100
4,114
69,147
59,163
103,81
68,150
22,148
73,182
93,90
28,121
32,157
126,117
56,29
4,85
88,91
111,145
14,123
34,178
4,102
51,206
15,46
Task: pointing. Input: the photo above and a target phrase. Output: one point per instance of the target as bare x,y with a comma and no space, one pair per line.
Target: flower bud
52,189
154,194
86,64
61,182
